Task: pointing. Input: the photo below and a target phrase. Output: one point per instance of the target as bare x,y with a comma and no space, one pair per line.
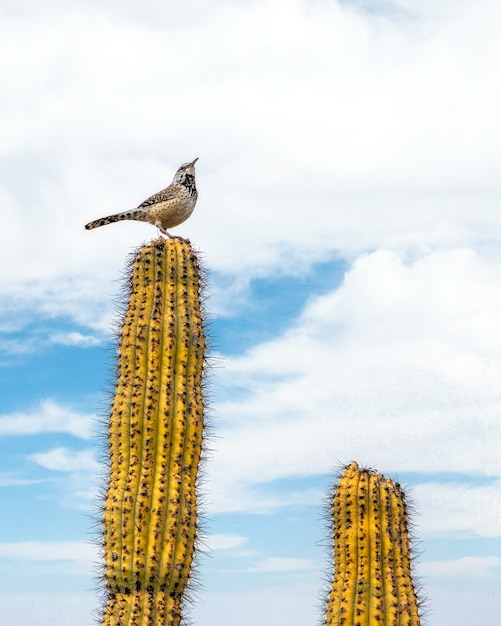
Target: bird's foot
170,236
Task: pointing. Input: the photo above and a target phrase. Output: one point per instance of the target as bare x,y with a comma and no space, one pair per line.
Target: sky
348,221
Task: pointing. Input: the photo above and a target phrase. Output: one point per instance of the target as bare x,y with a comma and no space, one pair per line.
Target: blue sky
348,218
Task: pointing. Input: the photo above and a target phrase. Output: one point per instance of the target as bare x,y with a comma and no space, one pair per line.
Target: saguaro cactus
155,440
372,583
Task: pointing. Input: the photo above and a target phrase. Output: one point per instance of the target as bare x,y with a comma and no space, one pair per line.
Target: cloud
74,339
14,347
327,131
465,567
226,542
461,509
53,559
64,460
11,479
49,416
81,476
50,551
227,493
54,609
282,564
35,337
398,368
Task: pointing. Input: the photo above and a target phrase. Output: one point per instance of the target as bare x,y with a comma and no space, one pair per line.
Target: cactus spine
155,440
372,583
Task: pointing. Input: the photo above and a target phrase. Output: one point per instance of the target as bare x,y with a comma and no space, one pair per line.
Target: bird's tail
135,214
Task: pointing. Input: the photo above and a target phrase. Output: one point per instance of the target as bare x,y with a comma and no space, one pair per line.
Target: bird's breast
174,211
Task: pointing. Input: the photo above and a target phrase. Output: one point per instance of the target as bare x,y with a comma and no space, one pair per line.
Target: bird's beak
193,162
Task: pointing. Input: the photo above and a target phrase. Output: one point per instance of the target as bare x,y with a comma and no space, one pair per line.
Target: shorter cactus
372,583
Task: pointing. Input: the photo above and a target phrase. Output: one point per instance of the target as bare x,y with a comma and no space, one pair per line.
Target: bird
165,209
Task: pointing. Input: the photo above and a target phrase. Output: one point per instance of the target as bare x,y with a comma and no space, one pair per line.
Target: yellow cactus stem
372,584
155,440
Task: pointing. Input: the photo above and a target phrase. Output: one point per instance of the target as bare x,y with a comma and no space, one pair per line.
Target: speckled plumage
165,209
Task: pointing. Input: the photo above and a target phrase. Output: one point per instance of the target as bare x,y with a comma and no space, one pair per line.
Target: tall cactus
372,583
155,440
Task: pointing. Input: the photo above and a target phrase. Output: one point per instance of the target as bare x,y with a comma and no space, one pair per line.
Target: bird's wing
162,196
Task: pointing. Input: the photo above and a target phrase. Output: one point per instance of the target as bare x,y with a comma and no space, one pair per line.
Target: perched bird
165,209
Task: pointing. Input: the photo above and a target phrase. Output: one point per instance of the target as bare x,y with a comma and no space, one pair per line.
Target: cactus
372,583
155,440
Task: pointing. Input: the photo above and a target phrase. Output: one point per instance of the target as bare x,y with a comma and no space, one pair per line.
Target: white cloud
461,606
224,492
50,551
54,609
16,347
226,542
56,560
282,564
327,130
399,369
459,509
82,474
74,339
464,567
49,416
64,460
11,479
35,339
